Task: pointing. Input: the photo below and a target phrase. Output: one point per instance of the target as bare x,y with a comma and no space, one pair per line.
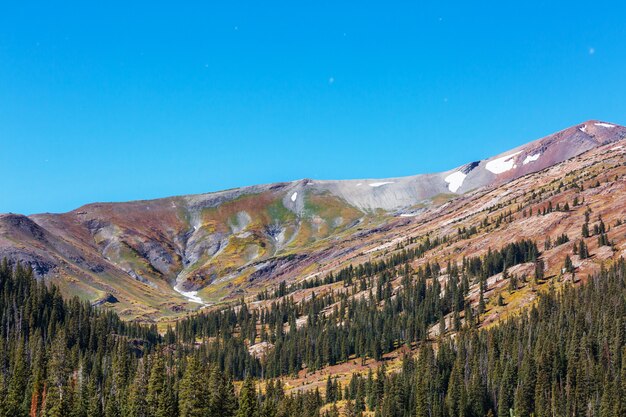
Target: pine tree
525,392
568,265
222,398
603,240
481,303
17,400
539,270
583,251
248,402
94,403
505,392
330,390
81,396
159,397
57,396
193,391
137,405
585,230
500,300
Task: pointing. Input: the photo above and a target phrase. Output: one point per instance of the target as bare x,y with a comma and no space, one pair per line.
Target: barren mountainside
161,258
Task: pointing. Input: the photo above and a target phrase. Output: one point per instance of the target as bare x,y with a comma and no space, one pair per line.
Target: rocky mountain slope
150,259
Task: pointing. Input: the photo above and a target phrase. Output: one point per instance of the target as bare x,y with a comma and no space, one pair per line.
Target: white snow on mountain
379,184
455,180
531,158
192,296
502,164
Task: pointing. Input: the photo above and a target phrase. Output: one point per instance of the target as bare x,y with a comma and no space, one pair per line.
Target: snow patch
583,129
455,180
617,148
280,237
409,214
294,196
502,164
531,158
604,125
379,184
190,295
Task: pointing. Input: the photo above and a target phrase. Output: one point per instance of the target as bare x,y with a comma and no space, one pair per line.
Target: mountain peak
155,255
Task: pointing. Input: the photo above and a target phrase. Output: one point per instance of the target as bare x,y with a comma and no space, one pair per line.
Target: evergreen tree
194,391
248,402
159,397
222,399
568,265
137,405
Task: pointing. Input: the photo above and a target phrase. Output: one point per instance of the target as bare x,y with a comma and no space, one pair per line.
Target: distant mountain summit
162,257
404,192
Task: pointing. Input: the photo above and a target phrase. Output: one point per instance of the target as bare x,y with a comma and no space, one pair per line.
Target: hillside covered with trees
564,356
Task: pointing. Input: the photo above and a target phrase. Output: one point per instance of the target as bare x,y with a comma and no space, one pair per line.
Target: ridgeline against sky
126,101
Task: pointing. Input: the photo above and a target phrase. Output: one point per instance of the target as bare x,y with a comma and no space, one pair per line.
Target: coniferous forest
565,356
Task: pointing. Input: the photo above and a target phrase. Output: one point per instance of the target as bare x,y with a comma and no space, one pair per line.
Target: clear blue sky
133,100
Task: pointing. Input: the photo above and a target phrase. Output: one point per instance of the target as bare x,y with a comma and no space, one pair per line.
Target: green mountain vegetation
566,355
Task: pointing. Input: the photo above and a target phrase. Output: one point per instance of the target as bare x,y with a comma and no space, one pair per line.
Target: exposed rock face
215,245
107,298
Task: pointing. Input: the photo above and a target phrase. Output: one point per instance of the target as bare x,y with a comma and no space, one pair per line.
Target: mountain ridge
163,256
587,127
